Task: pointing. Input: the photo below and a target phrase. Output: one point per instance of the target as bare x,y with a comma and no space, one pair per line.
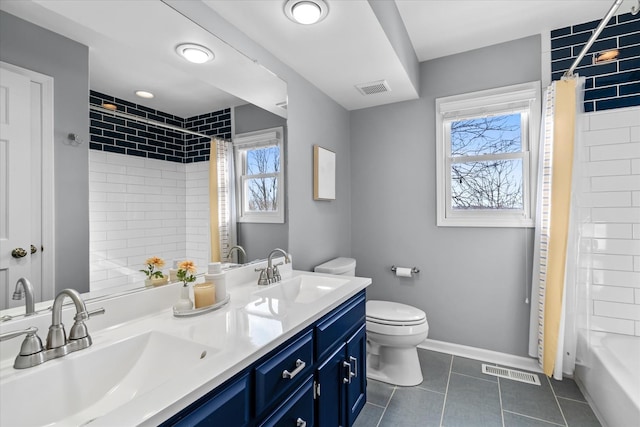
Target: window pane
263,160
261,195
486,135
487,185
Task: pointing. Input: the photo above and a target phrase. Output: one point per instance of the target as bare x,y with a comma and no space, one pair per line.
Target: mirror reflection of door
25,134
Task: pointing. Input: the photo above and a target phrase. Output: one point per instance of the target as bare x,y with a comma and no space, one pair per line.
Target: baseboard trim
491,356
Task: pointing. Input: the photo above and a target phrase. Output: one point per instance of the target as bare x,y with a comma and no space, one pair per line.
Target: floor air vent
512,374
373,87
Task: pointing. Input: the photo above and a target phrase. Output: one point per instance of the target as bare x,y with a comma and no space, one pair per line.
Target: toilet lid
394,313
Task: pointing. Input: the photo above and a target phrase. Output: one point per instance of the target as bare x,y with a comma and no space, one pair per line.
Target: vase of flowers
153,272
186,273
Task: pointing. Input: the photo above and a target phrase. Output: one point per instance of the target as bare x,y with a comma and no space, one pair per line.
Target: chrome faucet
24,288
242,254
32,352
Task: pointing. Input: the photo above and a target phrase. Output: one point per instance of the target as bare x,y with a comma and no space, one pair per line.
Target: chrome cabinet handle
349,375
18,253
301,423
300,365
355,365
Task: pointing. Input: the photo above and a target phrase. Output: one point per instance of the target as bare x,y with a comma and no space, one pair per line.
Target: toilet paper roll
403,272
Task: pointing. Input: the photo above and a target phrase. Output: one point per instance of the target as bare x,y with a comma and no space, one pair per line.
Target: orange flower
188,266
157,262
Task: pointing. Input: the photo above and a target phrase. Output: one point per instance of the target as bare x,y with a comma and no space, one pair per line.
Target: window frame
522,98
242,143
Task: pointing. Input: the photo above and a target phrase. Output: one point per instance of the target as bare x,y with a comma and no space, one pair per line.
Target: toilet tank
343,266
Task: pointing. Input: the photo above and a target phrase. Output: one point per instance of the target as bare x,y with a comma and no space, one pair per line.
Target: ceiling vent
373,87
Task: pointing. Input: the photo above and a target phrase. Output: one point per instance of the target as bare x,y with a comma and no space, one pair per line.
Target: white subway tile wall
137,210
612,139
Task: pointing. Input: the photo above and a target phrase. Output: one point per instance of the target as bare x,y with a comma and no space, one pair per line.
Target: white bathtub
610,377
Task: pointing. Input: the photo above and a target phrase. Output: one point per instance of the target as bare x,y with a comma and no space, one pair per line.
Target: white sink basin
81,387
303,289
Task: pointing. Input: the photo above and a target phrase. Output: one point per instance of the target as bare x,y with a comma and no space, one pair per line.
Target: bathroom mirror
130,51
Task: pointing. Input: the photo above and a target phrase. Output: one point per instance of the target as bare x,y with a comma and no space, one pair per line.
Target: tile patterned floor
455,392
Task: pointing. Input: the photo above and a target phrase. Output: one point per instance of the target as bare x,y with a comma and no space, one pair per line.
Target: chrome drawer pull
299,367
301,423
355,364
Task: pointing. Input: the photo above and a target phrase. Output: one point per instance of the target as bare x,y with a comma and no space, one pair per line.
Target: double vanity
289,353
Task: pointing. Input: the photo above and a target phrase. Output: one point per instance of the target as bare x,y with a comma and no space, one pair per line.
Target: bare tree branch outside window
262,185
494,183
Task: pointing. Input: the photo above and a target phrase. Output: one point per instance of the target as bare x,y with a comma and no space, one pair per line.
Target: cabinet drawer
297,411
282,372
230,404
339,324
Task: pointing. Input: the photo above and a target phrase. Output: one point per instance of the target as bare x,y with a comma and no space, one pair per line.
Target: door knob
33,249
18,253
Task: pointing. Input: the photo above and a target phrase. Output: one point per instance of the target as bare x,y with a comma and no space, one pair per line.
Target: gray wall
28,46
472,280
259,239
317,230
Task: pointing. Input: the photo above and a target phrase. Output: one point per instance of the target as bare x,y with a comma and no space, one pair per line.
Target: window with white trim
260,176
486,157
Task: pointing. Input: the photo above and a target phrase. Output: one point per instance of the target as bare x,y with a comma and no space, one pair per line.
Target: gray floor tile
412,406
517,420
578,414
369,416
378,393
567,388
532,400
473,368
435,370
472,401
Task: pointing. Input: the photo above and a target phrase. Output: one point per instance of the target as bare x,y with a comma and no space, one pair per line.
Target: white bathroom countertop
235,336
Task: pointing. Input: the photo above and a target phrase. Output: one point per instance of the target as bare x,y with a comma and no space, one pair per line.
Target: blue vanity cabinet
316,378
341,368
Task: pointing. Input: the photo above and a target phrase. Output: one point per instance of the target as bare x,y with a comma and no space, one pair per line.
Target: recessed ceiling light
195,53
306,12
144,94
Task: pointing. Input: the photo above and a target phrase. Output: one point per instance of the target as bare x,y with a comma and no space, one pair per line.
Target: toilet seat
394,314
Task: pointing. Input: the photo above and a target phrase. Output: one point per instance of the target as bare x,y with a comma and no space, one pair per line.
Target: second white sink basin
303,289
77,389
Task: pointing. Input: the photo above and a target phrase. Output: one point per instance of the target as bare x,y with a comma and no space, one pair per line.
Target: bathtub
609,376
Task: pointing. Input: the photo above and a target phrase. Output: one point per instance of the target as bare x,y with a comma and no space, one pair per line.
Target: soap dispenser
217,276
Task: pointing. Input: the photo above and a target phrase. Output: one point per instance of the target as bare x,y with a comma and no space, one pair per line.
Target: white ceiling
350,47
128,51
132,44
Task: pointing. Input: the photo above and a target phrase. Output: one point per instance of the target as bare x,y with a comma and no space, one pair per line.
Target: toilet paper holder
413,269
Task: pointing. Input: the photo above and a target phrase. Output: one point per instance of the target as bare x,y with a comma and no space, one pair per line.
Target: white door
15,182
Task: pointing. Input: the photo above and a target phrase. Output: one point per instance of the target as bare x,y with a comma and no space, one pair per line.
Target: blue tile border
609,85
119,135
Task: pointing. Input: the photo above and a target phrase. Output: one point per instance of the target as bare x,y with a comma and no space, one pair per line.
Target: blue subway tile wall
608,85
119,135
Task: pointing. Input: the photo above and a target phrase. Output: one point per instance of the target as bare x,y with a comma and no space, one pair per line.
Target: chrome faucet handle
263,279
31,344
276,272
79,329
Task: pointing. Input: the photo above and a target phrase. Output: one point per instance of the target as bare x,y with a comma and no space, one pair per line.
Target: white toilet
394,331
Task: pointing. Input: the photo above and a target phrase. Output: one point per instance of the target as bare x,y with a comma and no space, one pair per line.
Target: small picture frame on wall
324,174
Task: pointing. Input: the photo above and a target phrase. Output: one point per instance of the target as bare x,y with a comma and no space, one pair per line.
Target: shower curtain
221,199
552,324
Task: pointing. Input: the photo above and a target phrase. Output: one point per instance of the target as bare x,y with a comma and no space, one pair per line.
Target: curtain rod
616,4
149,121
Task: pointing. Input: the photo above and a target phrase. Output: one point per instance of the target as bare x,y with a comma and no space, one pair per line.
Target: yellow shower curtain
214,222
556,192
